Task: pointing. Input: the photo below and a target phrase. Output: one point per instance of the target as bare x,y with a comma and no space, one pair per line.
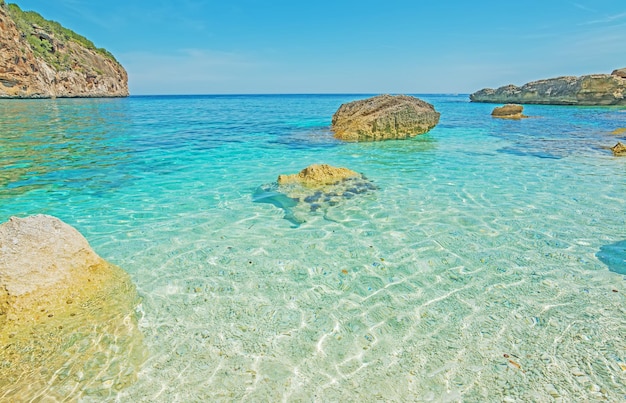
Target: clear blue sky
335,46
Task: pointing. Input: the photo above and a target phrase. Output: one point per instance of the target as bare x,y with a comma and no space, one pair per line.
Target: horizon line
297,93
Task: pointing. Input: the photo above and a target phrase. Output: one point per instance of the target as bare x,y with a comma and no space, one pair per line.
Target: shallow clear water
487,266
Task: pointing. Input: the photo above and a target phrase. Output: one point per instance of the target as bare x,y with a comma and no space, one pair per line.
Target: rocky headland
67,317
384,117
42,59
594,89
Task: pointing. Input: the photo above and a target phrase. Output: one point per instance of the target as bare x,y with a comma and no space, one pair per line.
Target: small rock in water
509,111
619,149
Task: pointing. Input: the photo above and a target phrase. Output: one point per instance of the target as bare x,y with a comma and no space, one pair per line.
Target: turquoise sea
489,263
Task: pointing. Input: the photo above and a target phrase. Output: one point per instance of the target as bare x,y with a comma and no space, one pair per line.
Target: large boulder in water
67,317
384,117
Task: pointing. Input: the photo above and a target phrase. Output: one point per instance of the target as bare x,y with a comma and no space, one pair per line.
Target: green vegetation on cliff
45,37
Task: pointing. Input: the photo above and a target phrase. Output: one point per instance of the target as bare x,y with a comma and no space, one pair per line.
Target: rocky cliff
41,59
594,89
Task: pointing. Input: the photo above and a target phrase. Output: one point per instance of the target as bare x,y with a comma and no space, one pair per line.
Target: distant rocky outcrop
42,59
384,117
63,310
595,89
619,149
509,111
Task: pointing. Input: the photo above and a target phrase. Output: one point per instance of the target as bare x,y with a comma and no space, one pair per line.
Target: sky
346,46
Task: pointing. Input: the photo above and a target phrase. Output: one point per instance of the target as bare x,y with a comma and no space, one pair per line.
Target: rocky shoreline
593,89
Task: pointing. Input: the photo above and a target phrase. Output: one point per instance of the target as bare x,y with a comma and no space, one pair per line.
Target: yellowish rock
318,175
620,130
509,111
67,317
619,149
384,117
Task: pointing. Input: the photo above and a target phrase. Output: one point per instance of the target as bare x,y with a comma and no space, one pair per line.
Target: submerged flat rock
594,89
318,175
384,117
315,188
63,309
620,130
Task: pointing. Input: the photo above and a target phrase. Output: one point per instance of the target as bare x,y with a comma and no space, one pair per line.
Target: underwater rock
63,309
509,111
384,117
315,188
619,149
620,130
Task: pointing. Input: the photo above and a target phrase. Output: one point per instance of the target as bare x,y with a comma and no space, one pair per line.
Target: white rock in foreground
63,310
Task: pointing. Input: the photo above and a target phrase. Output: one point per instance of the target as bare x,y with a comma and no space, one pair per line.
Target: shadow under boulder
67,317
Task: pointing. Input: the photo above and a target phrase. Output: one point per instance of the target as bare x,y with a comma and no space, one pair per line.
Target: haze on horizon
365,46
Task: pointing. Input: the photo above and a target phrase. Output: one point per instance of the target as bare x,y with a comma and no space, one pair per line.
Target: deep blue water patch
614,256
528,153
